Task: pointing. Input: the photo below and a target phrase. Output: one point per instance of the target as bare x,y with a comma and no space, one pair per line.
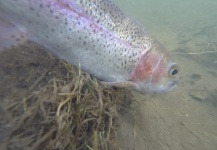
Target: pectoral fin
10,35
124,84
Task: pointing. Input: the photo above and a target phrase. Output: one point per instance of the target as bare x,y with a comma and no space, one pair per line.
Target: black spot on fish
31,8
66,21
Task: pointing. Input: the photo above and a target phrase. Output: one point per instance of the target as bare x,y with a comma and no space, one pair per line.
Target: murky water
187,117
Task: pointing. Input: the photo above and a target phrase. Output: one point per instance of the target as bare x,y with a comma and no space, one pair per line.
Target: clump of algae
53,105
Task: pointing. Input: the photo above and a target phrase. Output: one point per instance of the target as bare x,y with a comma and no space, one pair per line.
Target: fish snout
164,78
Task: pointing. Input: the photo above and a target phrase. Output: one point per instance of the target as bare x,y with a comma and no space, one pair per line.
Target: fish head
155,72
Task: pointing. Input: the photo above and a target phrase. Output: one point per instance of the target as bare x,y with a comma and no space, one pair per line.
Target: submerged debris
48,104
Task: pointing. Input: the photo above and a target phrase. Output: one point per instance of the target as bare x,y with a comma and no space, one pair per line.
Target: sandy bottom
183,119
187,117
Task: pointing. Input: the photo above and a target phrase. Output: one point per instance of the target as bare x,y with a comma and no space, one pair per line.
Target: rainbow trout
94,34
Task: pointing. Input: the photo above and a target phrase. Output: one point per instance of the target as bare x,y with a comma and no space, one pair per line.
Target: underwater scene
48,103
187,117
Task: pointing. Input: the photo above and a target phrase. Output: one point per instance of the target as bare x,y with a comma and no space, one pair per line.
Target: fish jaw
155,73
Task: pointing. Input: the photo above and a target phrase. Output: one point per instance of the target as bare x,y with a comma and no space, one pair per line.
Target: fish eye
173,70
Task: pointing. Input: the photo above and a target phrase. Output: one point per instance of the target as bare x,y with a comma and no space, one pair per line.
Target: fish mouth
144,87
172,85
164,88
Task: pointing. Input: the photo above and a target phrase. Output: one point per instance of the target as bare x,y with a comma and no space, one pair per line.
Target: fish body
94,34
